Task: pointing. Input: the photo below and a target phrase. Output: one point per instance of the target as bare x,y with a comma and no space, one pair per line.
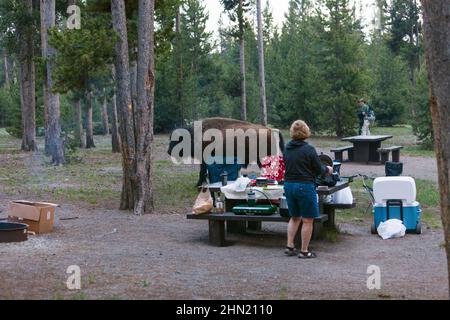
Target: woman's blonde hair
300,130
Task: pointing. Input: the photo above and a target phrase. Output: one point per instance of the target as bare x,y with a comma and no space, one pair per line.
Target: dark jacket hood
295,144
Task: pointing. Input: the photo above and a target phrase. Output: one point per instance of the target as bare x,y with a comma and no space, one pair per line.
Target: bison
224,125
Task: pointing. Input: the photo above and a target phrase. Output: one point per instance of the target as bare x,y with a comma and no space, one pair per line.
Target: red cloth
273,168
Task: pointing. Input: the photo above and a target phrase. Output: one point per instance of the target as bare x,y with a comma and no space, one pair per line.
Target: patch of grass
331,234
418,151
432,218
79,296
384,296
429,198
58,296
427,193
397,130
91,279
174,188
283,294
144,283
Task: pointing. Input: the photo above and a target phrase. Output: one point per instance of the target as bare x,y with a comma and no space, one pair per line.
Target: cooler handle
396,203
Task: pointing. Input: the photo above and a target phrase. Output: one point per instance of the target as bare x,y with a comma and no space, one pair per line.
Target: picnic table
239,224
366,148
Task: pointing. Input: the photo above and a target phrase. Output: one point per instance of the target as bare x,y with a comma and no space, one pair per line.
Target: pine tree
405,34
236,11
389,82
343,67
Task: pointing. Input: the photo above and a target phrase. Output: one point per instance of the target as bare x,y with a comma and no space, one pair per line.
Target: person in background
303,166
363,113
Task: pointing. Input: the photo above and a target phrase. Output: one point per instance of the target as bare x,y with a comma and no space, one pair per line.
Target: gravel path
166,256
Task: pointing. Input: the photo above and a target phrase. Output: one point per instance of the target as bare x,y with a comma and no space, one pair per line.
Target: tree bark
89,123
133,82
52,103
437,42
179,58
14,71
242,61
6,69
79,135
124,106
115,138
28,85
262,72
145,107
105,118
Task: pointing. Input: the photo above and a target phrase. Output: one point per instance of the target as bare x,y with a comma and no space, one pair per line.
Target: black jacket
302,162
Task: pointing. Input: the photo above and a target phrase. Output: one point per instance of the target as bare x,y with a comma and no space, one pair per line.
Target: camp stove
253,209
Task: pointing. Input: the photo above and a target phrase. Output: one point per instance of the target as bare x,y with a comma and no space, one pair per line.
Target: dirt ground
165,256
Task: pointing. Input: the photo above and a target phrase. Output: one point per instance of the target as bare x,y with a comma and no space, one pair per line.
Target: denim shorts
302,199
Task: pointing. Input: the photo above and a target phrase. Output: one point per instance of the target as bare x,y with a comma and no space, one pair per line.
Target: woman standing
303,166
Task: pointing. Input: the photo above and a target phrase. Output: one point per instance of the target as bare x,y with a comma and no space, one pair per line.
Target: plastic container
410,216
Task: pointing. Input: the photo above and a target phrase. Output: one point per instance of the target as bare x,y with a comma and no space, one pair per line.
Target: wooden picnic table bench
385,151
339,153
217,230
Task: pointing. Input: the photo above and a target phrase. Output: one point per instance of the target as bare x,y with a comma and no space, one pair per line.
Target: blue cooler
395,198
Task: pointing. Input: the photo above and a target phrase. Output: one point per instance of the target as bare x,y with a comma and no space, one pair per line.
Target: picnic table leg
396,156
236,227
384,157
331,213
217,233
254,225
361,151
374,156
318,230
351,155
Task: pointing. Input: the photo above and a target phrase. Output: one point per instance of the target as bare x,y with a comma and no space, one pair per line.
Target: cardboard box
38,215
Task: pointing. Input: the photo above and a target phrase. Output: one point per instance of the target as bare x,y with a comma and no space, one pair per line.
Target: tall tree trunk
115,138
437,42
242,61
5,68
14,71
133,81
89,123
28,85
262,72
105,118
145,107
53,130
179,57
124,106
79,135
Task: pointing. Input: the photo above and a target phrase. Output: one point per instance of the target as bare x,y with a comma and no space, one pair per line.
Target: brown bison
243,143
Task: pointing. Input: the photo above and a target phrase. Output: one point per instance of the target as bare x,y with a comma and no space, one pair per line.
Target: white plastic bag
344,196
240,185
393,228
